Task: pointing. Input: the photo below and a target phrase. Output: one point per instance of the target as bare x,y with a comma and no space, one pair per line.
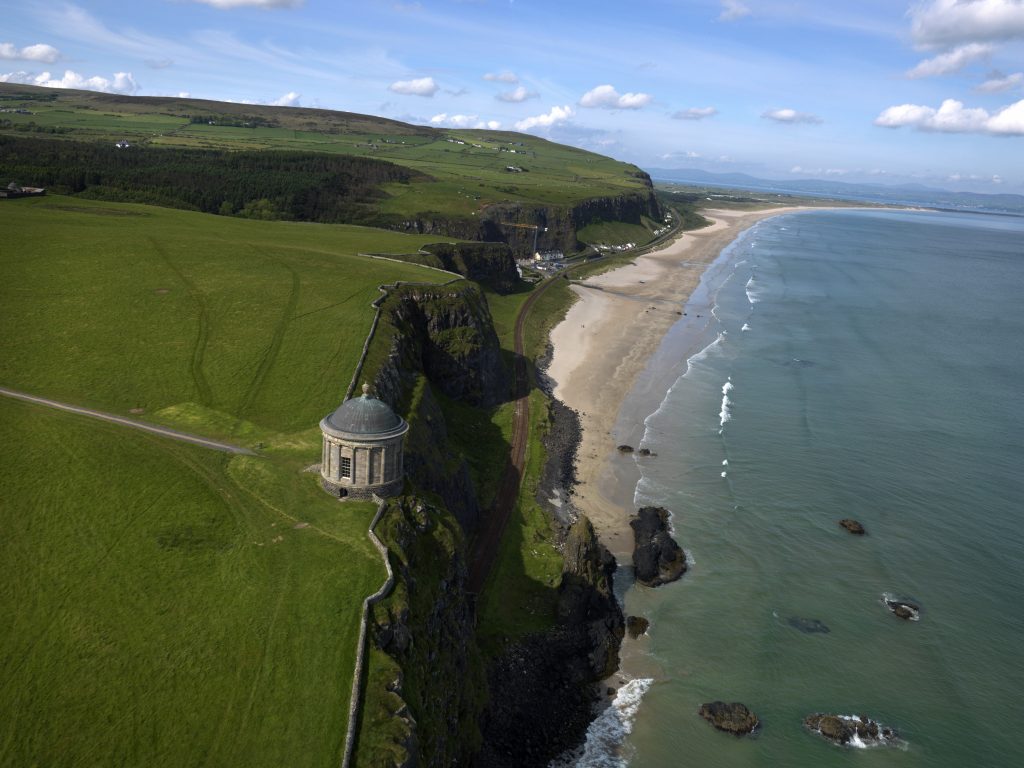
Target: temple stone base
362,493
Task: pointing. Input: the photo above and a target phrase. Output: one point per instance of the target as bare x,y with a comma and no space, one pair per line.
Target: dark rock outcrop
636,626
852,526
657,558
559,474
903,609
625,448
843,729
543,688
732,718
445,336
490,264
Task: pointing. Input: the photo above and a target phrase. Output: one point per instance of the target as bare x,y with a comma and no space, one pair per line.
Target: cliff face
543,687
526,228
490,264
443,339
433,703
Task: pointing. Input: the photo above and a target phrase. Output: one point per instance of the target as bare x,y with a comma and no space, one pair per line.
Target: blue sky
858,90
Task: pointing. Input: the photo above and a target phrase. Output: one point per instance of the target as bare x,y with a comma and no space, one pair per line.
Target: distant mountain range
903,194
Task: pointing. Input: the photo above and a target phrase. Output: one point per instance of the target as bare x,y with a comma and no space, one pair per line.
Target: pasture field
233,328
469,167
166,605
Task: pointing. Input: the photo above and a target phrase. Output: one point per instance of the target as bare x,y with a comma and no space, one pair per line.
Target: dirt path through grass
144,426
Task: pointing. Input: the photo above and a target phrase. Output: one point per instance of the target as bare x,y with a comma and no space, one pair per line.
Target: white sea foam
725,462
724,474
746,327
725,414
753,295
603,747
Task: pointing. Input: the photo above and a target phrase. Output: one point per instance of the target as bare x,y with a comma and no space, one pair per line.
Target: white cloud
951,61
502,77
517,95
999,83
947,23
790,116
422,86
463,121
993,179
290,99
38,52
230,4
797,169
556,115
732,10
606,97
123,82
953,117
695,113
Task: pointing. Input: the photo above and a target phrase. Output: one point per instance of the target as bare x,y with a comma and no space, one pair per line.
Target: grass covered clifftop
453,174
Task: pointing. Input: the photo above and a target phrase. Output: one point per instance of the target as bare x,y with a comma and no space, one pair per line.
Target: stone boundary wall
360,668
376,304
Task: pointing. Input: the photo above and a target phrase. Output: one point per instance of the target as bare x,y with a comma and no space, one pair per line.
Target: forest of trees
301,186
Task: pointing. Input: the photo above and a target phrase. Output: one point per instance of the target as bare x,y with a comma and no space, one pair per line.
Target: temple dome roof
364,416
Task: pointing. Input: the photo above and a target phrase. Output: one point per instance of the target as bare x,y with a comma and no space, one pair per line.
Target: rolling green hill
462,177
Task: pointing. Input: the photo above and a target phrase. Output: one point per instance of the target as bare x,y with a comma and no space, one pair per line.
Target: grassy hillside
243,329
168,606
468,168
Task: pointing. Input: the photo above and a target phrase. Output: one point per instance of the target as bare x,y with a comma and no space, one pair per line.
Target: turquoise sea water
860,364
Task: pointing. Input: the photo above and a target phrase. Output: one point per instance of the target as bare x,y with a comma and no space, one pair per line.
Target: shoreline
604,345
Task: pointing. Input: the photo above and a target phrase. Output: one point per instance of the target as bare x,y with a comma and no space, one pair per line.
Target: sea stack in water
852,526
903,609
636,626
846,729
657,558
732,718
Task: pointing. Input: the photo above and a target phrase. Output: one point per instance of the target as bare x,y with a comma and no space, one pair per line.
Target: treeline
301,186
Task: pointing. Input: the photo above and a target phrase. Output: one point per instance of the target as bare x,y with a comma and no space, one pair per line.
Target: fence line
360,668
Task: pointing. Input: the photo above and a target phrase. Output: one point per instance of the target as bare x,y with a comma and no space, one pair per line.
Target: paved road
126,422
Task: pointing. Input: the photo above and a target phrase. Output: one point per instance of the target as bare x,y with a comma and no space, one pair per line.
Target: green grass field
227,327
161,606
168,605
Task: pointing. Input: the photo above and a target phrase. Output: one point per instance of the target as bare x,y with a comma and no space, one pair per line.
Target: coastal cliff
526,228
428,682
543,688
443,340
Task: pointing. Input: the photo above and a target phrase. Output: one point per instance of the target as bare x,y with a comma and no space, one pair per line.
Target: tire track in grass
269,357
203,331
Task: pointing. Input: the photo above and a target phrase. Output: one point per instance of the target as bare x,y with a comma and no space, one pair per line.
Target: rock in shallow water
903,609
657,558
852,526
850,729
732,718
636,626
808,626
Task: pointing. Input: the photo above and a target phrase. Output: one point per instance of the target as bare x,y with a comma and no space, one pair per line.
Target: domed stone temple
363,448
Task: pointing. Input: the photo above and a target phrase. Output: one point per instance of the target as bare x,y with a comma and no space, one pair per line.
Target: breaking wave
725,414
605,743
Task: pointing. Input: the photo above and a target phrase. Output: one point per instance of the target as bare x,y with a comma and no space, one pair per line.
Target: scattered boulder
646,452
636,626
808,626
625,448
732,718
852,526
903,609
844,729
657,558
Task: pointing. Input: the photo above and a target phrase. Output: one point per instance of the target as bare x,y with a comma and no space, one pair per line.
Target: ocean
854,363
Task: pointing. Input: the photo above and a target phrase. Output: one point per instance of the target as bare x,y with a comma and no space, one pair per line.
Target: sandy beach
604,344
